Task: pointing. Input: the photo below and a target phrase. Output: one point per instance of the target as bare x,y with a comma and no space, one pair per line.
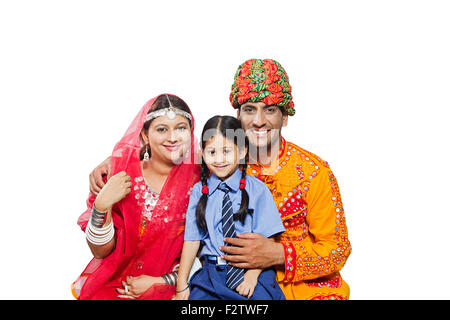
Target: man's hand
96,176
252,250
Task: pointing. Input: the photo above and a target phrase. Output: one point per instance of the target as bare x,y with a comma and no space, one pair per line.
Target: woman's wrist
99,206
170,278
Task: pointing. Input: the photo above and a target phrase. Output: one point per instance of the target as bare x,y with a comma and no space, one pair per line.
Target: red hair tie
205,190
242,184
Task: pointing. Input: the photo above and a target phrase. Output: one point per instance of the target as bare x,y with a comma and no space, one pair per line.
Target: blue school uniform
262,217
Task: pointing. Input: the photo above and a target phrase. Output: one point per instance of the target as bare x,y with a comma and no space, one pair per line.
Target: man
315,246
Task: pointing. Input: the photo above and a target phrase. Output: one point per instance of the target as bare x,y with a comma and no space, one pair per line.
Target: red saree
158,249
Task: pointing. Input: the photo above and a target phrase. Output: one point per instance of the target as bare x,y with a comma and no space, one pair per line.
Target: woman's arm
100,226
190,249
101,251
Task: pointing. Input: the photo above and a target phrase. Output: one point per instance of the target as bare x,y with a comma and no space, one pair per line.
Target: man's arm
252,251
96,182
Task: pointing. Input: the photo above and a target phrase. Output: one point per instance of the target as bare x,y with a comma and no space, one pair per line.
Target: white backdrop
370,82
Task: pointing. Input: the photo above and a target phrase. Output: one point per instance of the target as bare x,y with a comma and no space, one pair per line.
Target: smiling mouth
220,167
172,148
261,133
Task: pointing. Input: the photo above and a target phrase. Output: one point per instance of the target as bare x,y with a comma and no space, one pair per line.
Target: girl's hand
136,286
247,287
183,294
117,187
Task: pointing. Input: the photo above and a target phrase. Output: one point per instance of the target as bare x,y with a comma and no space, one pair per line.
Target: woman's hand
117,187
133,287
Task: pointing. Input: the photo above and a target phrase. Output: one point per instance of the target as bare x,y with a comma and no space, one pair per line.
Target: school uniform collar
232,182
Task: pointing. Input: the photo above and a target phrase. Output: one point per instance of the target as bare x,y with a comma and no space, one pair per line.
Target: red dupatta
158,250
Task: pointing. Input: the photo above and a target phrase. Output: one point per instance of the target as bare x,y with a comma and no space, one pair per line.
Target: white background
370,82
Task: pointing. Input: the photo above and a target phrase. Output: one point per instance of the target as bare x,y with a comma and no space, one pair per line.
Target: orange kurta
316,242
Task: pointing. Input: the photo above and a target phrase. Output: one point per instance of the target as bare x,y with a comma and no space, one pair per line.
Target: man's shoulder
304,155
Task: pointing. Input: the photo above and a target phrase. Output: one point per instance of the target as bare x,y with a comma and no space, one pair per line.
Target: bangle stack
170,278
96,233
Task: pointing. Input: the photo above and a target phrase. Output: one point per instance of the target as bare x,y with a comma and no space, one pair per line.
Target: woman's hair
162,102
222,125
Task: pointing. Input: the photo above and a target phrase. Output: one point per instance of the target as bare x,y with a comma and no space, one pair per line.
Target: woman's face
222,156
169,139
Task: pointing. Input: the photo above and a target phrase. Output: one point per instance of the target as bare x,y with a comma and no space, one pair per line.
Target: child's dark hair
223,125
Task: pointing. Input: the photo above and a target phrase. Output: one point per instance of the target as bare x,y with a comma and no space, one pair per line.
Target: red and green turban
258,80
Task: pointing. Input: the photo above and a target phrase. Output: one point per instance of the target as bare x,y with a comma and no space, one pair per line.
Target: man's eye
270,110
248,110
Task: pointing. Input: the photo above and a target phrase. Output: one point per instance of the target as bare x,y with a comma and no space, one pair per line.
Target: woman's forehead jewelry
170,112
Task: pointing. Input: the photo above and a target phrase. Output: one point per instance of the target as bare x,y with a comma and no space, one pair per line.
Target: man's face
262,123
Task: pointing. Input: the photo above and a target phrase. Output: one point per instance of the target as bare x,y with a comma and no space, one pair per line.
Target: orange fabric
316,241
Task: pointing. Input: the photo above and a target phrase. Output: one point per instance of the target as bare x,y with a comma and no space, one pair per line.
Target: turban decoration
258,80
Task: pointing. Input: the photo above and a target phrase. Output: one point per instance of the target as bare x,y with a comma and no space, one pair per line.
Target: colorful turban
265,81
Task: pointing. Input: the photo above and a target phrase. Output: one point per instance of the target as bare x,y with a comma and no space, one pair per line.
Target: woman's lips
172,148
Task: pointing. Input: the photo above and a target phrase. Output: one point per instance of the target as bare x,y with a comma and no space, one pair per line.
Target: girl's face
169,139
222,156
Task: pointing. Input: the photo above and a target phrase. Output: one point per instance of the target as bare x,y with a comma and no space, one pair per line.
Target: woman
135,225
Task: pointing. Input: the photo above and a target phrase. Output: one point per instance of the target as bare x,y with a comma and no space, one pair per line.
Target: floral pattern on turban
258,80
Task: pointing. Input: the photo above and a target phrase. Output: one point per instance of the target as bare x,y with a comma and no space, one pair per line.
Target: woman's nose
173,136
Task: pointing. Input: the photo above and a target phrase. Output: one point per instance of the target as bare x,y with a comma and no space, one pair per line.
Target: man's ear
237,112
285,120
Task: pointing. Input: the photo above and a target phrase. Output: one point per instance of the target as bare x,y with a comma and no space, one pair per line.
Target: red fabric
159,248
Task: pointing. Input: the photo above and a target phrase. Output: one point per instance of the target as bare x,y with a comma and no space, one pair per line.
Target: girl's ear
242,154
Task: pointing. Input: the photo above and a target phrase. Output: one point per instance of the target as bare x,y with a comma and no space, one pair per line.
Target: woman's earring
146,155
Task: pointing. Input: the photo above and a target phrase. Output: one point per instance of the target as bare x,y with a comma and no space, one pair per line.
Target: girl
224,189
134,227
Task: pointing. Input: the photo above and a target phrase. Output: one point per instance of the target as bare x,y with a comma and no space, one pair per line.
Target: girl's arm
190,249
247,287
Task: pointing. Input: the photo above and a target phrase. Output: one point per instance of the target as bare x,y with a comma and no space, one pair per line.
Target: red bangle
205,190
